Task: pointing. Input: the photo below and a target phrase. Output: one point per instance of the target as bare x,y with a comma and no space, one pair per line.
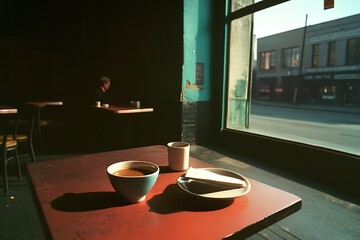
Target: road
330,129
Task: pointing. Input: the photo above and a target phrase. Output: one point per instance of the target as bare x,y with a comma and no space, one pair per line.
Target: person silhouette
102,93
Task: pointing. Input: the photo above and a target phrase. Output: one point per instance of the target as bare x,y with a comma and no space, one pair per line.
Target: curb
340,109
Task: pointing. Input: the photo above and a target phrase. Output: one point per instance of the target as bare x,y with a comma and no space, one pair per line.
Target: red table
77,201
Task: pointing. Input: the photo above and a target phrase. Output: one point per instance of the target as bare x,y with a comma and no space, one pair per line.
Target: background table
77,201
42,104
125,110
122,127
7,110
39,121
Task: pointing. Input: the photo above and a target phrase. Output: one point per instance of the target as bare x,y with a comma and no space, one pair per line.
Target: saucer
213,190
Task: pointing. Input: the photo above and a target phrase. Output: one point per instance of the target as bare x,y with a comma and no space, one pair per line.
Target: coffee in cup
132,180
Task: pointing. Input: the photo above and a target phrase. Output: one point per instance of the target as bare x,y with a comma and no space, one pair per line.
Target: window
353,52
332,54
268,60
304,84
290,57
316,55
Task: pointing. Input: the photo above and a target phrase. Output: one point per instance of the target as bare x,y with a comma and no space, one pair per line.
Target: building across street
317,64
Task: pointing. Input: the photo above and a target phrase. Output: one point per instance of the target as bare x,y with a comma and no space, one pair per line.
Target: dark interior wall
164,62
57,50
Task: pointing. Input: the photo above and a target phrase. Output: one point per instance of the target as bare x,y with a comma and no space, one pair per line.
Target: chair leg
18,164
6,185
31,137
39,127
32,152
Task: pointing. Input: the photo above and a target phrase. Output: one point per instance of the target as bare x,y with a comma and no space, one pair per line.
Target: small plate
214,191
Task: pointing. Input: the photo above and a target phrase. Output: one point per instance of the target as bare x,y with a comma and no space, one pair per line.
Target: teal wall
197,49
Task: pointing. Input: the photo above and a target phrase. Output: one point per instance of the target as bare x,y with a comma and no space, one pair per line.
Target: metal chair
24,130
7,146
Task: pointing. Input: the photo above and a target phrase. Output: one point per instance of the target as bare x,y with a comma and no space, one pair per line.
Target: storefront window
332,54
353,52
268,60
316,55
290,57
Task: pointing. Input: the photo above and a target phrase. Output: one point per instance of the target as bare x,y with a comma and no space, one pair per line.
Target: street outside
329,128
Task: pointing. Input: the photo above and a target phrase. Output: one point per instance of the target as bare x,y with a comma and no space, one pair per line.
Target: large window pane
312,94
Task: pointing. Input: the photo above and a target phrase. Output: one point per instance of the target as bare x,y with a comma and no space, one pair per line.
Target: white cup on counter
178,155
135,104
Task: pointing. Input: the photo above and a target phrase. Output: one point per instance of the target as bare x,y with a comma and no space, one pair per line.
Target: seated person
102,91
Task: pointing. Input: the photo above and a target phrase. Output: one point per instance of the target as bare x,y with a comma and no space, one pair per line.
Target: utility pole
300,77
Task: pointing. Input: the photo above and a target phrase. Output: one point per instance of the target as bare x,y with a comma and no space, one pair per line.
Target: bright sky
292,14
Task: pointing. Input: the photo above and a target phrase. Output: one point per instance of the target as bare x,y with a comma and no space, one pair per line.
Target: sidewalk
352,109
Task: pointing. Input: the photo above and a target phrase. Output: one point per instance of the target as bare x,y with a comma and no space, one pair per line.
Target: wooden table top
77,201
125,110
7,110
41,104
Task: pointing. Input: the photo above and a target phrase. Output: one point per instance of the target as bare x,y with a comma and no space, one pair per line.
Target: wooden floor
323,216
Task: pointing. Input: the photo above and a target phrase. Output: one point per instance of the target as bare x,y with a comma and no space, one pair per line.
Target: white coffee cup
105,105
135,104
178,155
97,103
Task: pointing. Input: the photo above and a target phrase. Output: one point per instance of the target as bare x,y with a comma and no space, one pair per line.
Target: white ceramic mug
178,155
135,104
97,103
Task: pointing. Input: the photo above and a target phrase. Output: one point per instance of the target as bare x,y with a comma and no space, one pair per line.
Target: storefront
335,88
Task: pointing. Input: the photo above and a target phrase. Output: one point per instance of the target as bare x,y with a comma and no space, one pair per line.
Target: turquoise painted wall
197,49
